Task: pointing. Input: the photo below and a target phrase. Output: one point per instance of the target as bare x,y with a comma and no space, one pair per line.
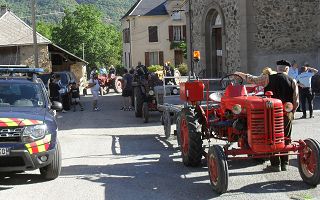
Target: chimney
3,10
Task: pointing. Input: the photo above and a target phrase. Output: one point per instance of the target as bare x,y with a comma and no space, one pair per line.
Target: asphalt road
113,155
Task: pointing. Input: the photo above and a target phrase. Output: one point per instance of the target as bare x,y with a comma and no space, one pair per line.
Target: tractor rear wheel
166,123
218,169
145,112
138,101
190,138
309,163
118,84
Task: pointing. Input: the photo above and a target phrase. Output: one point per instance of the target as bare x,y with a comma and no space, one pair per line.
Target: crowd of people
64,93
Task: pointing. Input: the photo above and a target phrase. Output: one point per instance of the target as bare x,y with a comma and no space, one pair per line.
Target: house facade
248,35
153,32
16,48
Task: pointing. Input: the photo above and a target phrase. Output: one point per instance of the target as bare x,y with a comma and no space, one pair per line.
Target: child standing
75,96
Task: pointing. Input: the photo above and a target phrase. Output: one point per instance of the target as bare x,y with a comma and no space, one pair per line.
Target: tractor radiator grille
267,126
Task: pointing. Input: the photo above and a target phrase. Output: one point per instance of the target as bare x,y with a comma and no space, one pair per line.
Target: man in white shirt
294,70
304,81
95,88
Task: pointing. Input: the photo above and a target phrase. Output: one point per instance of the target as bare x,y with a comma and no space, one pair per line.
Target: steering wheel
231,79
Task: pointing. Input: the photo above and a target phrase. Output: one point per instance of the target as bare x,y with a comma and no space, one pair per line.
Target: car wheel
52,171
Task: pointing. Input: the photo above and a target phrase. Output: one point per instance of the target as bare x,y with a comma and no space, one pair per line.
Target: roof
147,8
15,32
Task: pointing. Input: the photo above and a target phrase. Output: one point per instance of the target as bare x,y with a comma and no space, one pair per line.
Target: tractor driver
285,89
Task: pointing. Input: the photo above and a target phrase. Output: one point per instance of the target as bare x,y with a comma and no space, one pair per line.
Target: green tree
45,29
85,25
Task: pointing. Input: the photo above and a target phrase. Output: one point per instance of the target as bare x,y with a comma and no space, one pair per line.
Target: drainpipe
191,48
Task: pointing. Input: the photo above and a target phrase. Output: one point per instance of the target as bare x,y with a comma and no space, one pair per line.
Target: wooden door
178,57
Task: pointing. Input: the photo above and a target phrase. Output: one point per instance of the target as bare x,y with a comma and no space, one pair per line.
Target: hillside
52,11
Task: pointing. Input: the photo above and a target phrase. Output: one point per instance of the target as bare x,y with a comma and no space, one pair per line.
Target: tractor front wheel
218,169
138,101
309,164
166,123
145,112
190,141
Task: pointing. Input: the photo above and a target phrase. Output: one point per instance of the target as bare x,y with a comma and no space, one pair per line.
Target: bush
154,68
183,69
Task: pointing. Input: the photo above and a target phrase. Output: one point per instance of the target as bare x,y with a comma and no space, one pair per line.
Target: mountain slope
52,10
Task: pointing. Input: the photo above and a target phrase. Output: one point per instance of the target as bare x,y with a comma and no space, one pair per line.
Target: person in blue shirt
294,70
304,81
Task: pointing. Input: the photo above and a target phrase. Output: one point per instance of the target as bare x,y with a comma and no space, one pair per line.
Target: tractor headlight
288,107
236,109
175,91
32,133
151,92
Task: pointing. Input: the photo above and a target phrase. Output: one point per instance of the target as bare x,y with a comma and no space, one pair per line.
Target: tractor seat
216,96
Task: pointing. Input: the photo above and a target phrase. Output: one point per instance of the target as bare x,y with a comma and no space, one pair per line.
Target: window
153,33
154,58
126,35
177,33
176,15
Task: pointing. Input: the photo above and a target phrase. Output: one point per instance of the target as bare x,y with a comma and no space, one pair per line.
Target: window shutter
161,58
146,59
170,33
184,32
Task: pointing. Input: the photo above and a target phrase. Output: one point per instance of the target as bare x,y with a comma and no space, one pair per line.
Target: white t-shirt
305,78
96,87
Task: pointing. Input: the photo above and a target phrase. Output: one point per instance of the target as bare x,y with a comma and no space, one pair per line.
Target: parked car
28,129
66,79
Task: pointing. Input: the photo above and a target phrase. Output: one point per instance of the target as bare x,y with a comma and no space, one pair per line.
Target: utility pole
82,51
34,27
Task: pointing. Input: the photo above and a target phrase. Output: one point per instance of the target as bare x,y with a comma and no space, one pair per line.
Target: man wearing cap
304,81
285,89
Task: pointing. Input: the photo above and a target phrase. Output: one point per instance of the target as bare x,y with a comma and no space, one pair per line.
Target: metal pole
191,50
34,27
82,51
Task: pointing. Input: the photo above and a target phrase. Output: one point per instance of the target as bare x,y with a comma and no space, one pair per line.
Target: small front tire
218,169
309,164
145,112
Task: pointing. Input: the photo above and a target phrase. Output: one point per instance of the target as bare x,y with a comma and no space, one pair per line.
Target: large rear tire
190,138
52,171
145,112
118,84
309,163
138,101
218,169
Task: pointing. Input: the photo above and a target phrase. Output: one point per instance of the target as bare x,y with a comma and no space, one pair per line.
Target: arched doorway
214,44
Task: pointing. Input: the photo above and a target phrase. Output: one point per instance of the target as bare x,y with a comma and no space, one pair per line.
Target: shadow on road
19,179
110,116
147,171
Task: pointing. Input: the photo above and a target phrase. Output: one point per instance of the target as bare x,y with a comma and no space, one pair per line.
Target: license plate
4,151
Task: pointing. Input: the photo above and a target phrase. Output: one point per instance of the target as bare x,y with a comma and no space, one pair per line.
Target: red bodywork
263,118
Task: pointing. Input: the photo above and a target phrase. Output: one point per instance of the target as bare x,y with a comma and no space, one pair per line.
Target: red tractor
251,125
110,81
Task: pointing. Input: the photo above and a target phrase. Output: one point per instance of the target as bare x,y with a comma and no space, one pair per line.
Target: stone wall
27,57
286,25
230,14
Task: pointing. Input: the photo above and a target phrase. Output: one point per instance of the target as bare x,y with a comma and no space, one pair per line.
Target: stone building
16,48
248,35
